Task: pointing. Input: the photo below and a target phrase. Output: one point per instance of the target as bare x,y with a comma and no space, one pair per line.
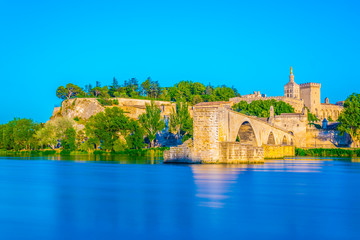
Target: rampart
86,107
310,84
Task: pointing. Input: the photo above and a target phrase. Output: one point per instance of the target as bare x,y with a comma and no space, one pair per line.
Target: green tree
8,136
261,108
23,133
152,122
145,86
46,135
223,93
114,87
196,99
70,91
135,138
100,92
180,122
107,127
132,87
69,141
18,134
54,131
312,117
350,118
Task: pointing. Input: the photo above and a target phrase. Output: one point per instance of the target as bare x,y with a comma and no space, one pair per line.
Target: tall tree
114,87
152,122
23,132
54,131
69,141
100,91
145,86
70,91
180,122
350,118
135,138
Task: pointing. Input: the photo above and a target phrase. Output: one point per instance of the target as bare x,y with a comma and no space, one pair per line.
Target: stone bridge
223,135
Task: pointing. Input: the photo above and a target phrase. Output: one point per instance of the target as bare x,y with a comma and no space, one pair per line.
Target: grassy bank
141,152
327,152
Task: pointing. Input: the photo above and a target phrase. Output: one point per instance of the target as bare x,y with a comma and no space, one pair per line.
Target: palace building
299,96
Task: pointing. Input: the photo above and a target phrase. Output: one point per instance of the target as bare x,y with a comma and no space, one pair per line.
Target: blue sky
250,45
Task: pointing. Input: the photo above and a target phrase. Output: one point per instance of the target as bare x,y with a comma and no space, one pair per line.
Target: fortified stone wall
323,138
330,110
296,123
136,107
86,107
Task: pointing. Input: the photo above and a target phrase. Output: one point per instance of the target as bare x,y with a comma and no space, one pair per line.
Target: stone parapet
310,84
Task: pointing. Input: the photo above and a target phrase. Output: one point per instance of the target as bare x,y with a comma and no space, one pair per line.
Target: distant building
300,96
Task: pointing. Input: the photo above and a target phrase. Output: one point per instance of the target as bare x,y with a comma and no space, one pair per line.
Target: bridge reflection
214,183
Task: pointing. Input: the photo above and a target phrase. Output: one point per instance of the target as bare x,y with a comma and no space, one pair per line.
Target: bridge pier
216,131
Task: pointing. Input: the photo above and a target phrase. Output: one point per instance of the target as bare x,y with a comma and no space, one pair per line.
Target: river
125,197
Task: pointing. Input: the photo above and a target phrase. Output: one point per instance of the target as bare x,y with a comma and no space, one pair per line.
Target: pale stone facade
300,96
225,136
84,108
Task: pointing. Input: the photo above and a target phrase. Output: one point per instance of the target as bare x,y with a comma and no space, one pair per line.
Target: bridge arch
285,140
271,139
246,134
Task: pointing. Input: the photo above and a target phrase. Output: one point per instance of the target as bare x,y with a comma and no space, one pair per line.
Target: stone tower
291,89
310,93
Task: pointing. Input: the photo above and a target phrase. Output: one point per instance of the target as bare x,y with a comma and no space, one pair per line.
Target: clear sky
248,44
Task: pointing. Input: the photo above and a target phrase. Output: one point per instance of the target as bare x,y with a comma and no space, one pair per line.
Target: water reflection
214,182
280,199
149,157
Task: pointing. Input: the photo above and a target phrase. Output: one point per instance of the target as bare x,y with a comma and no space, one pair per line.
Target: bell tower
291,89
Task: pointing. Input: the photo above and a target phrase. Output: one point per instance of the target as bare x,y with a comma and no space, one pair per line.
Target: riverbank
58,152
327,152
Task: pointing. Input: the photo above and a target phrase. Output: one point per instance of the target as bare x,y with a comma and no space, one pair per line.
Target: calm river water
141,198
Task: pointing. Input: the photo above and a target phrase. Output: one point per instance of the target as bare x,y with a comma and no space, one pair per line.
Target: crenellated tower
310,93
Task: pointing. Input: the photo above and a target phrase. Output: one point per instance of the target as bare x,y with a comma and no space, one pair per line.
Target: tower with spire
291,89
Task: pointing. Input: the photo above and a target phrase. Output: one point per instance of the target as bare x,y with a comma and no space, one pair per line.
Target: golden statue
291,70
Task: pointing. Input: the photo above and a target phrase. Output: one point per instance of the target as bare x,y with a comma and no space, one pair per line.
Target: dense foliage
261,108
180,122
152,122
188,91
350,118
18,134
110,131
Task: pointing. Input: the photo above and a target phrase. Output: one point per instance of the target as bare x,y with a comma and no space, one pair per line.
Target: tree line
186,91
111,131
261,108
